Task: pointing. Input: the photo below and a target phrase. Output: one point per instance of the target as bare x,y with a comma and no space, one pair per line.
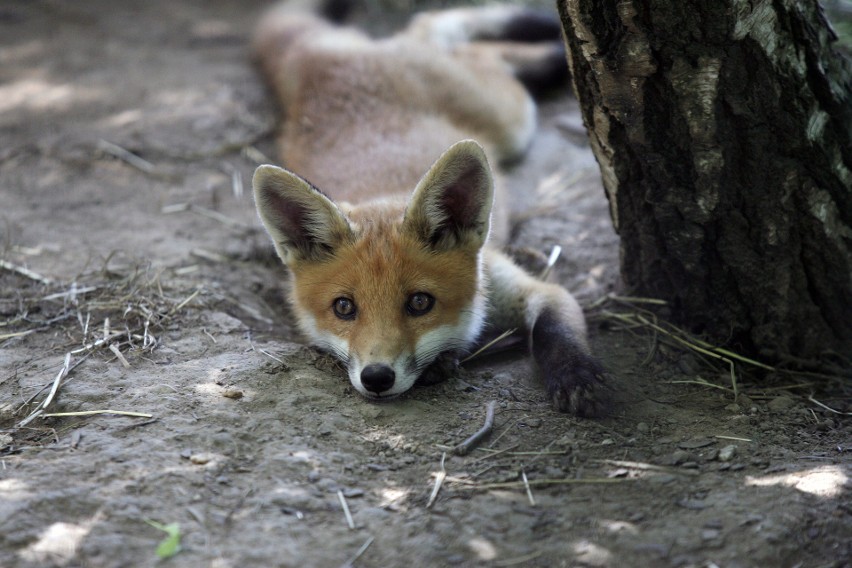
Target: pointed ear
304,224
451,205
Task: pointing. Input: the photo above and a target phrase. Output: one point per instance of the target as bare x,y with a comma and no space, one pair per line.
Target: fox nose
377,377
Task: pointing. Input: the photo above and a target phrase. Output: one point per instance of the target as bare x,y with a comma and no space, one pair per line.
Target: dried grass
112,311
627,314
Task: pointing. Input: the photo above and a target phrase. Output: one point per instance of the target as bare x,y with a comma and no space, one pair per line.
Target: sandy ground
254,442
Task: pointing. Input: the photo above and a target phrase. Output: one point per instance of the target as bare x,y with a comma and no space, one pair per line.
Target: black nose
377,377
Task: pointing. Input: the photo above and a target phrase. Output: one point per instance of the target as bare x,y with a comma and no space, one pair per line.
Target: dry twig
464,448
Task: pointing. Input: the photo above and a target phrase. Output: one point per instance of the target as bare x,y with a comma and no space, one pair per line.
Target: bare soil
254,442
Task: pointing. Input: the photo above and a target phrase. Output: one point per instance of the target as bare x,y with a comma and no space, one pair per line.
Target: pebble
643,428
533,422
710,534
680,456
201,459
780,403
727,453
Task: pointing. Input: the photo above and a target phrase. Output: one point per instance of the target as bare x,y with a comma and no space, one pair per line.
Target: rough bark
723,130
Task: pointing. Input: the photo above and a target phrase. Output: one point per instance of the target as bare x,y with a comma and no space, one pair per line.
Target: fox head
387,286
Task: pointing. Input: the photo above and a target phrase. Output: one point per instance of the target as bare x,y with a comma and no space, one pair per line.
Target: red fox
398,263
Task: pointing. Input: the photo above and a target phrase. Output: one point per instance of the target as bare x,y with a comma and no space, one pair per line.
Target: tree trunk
723,130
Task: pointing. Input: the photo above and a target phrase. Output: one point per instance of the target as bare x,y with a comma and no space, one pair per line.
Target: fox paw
574,379
578,386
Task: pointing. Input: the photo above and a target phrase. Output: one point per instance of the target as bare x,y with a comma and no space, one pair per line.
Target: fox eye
419,304
344,308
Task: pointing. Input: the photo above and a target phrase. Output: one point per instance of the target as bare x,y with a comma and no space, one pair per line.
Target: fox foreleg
556,330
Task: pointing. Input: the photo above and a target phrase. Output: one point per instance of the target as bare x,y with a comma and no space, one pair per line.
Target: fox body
398,262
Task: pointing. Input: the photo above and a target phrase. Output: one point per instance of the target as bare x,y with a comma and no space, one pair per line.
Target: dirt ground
250,442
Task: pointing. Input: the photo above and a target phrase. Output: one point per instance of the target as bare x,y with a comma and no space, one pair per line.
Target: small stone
710,534
643,428
680,456
533,422
727,453
734,408
233,394
780,403
201,459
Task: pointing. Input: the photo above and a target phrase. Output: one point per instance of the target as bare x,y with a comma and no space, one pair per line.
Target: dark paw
578,386
574,379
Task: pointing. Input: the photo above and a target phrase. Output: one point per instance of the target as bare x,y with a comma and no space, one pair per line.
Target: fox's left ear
304,224
451,205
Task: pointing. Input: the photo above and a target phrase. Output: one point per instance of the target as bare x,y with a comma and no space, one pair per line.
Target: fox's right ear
304,224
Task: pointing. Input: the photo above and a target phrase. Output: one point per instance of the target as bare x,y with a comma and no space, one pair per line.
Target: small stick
732,438
66,366
73,292
551,262
208,255
86,326
115,351
63,372
503,433
439,480
256,155
821,405
270,355
96,412
468,484
174,208
126,156
349,521
496,453
488,345
527,487
182,304
465,447
237,183
357,555
215,215
6,336
26,272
